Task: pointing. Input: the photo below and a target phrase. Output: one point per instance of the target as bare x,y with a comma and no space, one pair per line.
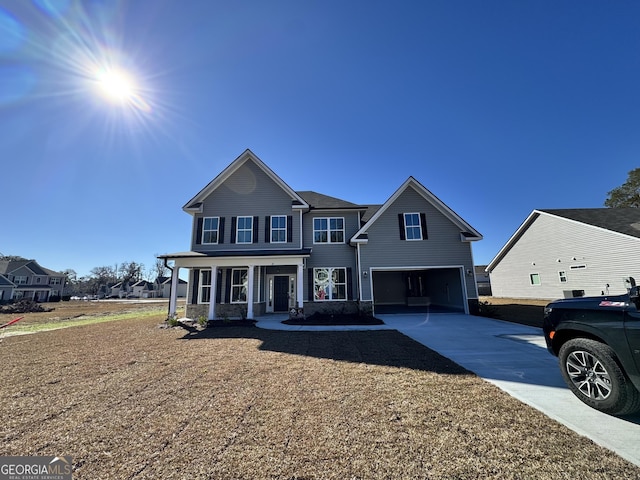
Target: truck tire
592,372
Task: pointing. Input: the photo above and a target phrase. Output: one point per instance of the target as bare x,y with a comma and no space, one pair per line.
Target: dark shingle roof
621,220
318,200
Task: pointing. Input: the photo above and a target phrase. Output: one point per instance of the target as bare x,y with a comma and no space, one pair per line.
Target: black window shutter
255,229
289,228
349,284
233,230
423,223
221,230
227,287
219,287
401,224
199,231
310,284
267,224
196,281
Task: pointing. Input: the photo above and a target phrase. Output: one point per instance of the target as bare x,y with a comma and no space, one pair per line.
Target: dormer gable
467,232
195,205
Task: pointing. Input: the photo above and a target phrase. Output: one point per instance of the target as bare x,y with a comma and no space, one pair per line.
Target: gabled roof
325,202
5,282
467,231
195,204
624,221
8,266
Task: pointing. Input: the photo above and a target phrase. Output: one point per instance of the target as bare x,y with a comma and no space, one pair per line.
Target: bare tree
159,269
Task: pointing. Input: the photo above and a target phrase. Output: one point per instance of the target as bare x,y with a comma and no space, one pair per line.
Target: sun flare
116,85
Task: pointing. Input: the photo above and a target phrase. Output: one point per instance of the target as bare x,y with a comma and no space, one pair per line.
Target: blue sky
497,107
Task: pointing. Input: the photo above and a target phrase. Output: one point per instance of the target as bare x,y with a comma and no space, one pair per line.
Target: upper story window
55,281
210,229
244,232
20,280
412,226
328,230
278,229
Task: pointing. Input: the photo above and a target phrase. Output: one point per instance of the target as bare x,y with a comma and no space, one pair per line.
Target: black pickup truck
597,341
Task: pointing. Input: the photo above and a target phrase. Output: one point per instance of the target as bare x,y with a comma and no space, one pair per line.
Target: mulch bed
336,319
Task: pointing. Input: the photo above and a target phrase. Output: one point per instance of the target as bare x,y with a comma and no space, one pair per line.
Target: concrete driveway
512,357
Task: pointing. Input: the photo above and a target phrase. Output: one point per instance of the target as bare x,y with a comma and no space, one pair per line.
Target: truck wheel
592,372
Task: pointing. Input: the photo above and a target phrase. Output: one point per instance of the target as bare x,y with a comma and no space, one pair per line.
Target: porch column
250,291
173,295
212,294
299,289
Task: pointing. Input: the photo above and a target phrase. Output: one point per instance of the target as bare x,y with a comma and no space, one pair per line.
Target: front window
534,278
239,283
412,227
244,230
210,229
55,281
20,280
329,284
205,286
279,229
328,230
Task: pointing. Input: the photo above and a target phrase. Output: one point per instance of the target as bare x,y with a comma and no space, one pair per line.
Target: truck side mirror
634,296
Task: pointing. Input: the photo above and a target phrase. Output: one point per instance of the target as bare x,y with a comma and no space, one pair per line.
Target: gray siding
442,248
550,245
331,254
247,192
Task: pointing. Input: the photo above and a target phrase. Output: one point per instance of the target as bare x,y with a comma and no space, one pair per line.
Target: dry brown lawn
129,400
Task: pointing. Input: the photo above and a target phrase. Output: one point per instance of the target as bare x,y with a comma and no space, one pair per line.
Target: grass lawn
129,400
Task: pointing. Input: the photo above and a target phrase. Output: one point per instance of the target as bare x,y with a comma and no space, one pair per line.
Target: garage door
416,291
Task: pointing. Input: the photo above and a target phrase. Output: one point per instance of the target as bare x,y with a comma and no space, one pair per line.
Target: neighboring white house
162,286
568,253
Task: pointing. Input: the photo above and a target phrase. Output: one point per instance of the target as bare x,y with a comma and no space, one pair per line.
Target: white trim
271,230
328,219
244,230
419,226
217,230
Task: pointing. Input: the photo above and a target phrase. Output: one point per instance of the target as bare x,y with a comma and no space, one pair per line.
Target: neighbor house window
205,286
210,227
412,226
279,229
534,278
55,281
329,284
328,230
20,280
563,277
239,283
244,230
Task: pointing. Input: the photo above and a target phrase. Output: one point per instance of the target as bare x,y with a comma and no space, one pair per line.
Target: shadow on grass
386,348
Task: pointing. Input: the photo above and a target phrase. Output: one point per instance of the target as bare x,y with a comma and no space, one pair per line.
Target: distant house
162,286
6,288
143,289
30,281
258,247
567,253
483,281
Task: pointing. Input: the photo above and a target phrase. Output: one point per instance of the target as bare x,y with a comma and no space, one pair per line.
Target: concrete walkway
512,357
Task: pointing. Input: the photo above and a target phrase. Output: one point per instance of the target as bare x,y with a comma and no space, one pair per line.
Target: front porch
233,287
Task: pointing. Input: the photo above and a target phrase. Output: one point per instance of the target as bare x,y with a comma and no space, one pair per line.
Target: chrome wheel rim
588,375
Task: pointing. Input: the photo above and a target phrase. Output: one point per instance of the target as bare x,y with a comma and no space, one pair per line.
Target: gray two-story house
26,279
259,247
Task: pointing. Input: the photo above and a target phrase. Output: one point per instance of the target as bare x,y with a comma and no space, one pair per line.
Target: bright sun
116,85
